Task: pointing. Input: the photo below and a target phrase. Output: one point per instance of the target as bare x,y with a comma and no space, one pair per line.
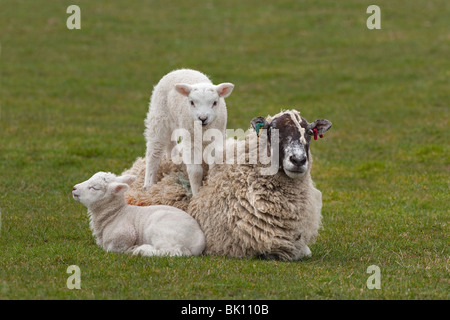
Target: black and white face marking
294,139
293,144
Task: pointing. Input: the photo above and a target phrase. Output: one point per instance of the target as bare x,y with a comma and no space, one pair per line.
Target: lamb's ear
128,179
118,187
224,89
319,127
183,88
259,123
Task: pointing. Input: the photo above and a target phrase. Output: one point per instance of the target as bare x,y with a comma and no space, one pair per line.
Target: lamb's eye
94,188
192,103
214,103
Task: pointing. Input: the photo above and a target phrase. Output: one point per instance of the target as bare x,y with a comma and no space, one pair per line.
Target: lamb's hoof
146,188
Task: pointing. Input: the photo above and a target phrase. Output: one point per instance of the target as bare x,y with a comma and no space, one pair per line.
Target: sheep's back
172,188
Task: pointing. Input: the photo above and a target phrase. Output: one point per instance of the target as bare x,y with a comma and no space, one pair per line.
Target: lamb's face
204,99
294,134
94,189
101,187
203,103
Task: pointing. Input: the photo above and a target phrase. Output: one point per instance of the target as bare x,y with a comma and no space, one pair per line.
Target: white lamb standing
149,231
180,99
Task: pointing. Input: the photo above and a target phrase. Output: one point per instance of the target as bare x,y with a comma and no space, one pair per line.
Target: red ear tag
315,133
321,135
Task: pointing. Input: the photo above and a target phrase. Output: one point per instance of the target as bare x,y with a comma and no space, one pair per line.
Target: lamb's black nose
298,161
203,119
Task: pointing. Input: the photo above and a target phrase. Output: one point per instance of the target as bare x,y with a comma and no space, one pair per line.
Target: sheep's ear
183,88
224,89
118,187
259,123
128,179
321,126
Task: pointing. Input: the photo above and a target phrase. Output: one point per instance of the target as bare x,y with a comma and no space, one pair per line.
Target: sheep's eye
192,103
94,188
214,103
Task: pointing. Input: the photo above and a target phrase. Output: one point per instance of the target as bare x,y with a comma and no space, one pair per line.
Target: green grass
73,103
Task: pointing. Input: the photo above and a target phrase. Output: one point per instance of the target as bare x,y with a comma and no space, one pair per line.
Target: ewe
181,99
149,231
244,209
246,212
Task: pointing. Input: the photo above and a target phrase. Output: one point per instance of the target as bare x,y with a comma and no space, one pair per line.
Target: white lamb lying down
149,231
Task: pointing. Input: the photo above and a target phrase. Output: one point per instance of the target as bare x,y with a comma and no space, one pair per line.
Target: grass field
73,103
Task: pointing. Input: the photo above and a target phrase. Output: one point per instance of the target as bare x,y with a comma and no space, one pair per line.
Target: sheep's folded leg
148,250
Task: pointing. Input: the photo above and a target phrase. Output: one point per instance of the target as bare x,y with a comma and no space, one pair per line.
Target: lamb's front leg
195,173
192,157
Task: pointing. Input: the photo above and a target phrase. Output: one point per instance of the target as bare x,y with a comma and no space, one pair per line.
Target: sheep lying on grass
243,209
181,99
148,231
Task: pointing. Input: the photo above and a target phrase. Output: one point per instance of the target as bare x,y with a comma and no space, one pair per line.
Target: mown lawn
73,103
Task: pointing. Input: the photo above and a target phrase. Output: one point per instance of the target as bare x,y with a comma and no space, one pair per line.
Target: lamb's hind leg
153,156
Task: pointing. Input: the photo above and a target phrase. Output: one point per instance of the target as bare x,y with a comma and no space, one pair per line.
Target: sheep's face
101,187
204,99
294,134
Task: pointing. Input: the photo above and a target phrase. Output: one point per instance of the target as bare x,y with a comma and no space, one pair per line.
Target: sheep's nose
74,189
203,119
298,161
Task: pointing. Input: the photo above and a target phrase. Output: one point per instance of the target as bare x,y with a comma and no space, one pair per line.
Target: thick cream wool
242,212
